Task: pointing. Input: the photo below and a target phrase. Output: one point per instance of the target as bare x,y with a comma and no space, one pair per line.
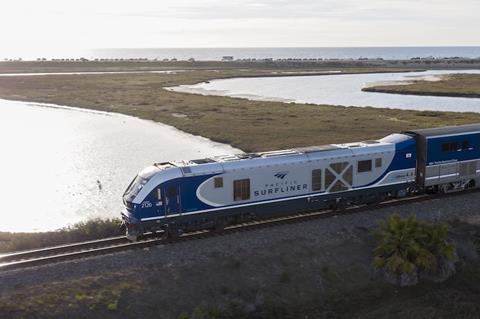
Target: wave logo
281,175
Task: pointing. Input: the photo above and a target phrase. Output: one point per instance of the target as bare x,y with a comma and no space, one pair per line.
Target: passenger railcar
213,192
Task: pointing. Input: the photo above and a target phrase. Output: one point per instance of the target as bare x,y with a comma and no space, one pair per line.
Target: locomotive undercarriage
455,186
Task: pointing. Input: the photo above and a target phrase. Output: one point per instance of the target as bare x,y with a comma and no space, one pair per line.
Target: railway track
56,254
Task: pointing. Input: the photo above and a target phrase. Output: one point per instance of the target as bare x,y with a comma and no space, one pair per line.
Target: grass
92,297
248,125
456,85
457,298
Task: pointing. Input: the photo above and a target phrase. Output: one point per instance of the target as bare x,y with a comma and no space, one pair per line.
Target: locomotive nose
132,226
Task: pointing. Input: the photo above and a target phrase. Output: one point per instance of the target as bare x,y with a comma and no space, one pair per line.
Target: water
336,90
215,54
52,158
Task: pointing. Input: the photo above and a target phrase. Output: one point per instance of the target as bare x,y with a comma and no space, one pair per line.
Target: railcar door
172,198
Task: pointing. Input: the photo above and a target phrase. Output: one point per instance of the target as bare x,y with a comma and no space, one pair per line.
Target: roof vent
371,142
278,153
203,161
186,170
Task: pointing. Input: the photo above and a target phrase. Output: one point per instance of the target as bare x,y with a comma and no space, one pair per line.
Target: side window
241,189
329,178
316,180
158,194
172,191
338,187
218,182
465,145
450,147
378,162
364,166
338,177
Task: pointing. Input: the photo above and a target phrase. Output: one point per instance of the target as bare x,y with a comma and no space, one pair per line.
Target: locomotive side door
422,148
172,198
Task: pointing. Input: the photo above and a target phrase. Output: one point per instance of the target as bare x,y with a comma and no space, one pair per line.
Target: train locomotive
182,196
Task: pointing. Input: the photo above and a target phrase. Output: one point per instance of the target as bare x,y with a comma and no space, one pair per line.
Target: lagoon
61,165
337,89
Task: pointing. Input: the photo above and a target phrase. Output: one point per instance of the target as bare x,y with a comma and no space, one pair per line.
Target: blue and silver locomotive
176,197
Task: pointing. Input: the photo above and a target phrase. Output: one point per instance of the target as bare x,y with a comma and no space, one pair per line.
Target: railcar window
378,162
449,147
218,182
465,145
364,166
241,189
316,180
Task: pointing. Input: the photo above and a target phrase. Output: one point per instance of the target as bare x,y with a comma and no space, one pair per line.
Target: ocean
215,54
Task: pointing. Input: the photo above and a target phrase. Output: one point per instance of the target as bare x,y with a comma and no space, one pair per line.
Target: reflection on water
52,158
342,89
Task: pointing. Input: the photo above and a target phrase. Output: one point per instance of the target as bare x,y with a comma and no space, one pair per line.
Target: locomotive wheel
173,232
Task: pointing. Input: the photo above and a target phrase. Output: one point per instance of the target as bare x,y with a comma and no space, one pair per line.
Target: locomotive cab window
364,166
378,162
218,182
158,194
241,189
316,180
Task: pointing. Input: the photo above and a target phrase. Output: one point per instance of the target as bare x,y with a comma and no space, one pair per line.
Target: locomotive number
146,204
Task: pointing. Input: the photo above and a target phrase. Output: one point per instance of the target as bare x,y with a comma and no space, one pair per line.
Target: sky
62,25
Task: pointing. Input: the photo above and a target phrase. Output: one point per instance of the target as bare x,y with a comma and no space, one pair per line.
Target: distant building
227,58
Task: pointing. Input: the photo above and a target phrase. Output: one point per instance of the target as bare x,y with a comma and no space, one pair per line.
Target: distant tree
407,249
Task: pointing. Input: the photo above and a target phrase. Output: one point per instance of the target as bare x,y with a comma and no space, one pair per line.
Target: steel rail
60,249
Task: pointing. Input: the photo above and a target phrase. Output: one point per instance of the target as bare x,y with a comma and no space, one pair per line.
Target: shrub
407,249
83,231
